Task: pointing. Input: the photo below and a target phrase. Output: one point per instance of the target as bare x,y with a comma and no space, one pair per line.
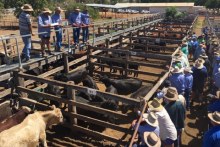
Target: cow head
53,117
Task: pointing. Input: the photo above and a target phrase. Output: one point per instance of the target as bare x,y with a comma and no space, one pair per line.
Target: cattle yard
130,52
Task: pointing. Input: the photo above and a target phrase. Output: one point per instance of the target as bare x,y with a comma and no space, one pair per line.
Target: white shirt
182,100
167,128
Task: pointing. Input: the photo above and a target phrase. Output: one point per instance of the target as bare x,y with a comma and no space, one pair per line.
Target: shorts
168,141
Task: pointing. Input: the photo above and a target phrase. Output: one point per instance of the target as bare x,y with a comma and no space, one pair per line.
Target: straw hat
151,139
27,8
58,9
171,94
77,8
199,63
176,69
204,56
46,10
155,105
151,119
188,69
215,117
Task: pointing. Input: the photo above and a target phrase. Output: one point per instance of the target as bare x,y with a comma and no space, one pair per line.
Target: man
85,23
188,85
212,136
207,63
56,18
44,25
176,111
184,48
149,124
25,28
216,66
201,38
168,133
214,104
199,78
177,80
195,45
199,50
216,81
75,19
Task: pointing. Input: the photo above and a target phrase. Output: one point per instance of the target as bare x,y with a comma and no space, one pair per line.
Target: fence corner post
71,96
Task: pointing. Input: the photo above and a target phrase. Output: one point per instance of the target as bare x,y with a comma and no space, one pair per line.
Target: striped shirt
24,22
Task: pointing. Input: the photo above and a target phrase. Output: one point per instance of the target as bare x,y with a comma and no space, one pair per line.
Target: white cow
31,130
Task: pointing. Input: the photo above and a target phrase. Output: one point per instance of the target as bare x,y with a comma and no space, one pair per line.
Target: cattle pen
133,45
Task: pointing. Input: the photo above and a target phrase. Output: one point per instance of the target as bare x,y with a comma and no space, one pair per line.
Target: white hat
215,117
151,119
151,139
27,8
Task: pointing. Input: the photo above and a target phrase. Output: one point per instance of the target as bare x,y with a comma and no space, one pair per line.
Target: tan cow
31,130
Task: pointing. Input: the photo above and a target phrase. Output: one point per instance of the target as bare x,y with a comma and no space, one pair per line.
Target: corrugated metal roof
154,4
105,6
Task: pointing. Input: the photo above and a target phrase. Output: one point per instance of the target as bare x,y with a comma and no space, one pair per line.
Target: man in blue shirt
85,24
212,136
199,50
216,66
44,27
188,85
177,80
56,18
26,29
195,44
75,19
214,104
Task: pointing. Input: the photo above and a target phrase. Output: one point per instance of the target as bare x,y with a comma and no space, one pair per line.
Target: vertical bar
66,65
68,39
19,81
19,57
71,96
93,41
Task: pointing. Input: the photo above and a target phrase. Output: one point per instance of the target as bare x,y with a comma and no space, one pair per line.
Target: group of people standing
46,22
163,122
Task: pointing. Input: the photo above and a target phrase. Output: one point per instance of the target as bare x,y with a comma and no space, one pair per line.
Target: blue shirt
56,18
24,23
215,69
178,81
188,81
212,137
214,106
217,79
44,20
198,52
85,18
199,76
75,19
195,44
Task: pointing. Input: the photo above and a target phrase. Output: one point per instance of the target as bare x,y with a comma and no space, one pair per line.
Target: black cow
76,76
135,67
54,90
123,86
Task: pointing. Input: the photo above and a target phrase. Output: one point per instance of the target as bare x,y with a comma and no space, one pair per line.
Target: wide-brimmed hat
46,10
77,8
204,56
171,94
215,117
27,8
155,105
188,69
199,63
176,69
151,139
58,9
151,119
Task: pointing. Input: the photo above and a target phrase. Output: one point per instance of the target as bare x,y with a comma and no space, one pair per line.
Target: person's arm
41,24
28,19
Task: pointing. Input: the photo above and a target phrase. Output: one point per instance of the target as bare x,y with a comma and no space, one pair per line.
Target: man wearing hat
188,85
44,30
207,63
85,23
75,19
168,133
56,18
212,136
195,45
176,111
177,80
199,78
25,28
216,66
214,103
184,47
199,50
149,124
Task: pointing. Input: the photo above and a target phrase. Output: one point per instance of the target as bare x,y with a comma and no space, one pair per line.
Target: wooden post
126,64
130,40
71,96
66,61
19,81
120,41
91,68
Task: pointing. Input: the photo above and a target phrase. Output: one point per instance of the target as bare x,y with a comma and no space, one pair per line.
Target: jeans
187,97
58,39
76,33
27,46
85,34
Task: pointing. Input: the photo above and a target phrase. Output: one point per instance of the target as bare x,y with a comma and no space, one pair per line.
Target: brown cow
31,130
15,119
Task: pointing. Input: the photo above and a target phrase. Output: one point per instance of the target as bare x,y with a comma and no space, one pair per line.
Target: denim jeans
58,39
76,33
85,34
27,46
187,97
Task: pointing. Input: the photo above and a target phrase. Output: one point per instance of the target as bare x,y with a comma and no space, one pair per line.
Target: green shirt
185,50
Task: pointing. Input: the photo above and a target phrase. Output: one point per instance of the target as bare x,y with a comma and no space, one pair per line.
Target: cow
54,90
31,131
76,76
135,67
123,86
15,119
139,94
